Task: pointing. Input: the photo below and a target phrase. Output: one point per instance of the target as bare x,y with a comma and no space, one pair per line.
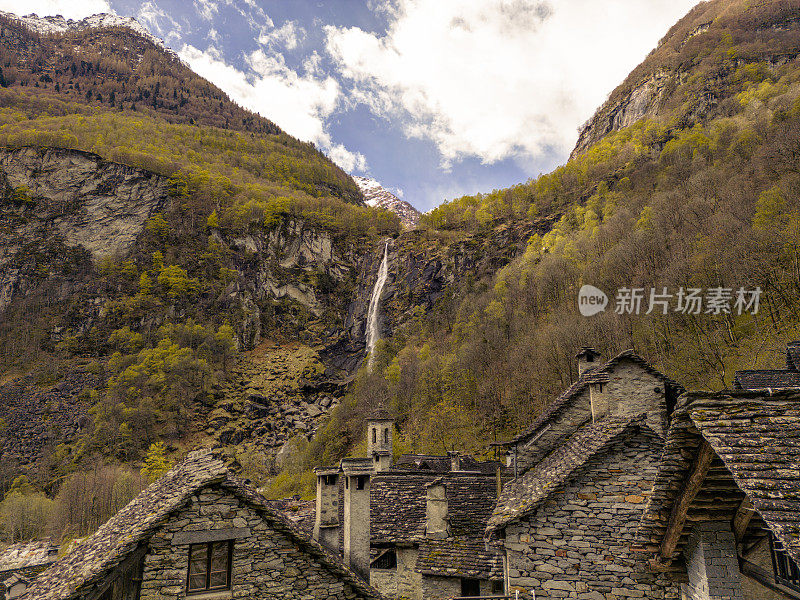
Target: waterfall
372,315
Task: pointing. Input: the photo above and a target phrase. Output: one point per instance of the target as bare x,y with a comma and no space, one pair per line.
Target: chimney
356,473
436,521
455,460
599,396
587,358
326,518
380,433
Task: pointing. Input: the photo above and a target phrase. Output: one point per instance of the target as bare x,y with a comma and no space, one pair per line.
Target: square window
209,566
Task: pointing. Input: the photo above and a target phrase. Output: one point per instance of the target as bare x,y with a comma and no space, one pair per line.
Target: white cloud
70,9
299,104
206,8
289,35
501,78
158,21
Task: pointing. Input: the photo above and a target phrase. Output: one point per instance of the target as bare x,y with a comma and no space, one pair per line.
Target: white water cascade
374,304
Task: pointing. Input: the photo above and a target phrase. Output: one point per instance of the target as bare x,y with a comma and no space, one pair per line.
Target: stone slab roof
98,554
592,375
442,464
762,379
24,555
398,503
459,558
523,495
757,436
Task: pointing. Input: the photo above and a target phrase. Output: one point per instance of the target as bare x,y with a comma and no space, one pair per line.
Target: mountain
57,24
379,197
698,66
202,278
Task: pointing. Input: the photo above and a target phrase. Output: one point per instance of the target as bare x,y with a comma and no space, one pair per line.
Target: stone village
627,486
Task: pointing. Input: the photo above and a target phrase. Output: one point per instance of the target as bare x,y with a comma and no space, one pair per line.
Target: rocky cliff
693,71
66,213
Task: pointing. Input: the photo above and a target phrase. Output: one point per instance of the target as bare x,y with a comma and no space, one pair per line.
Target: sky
433,98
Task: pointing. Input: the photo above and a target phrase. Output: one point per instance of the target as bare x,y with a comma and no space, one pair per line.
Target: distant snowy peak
377,196
58,24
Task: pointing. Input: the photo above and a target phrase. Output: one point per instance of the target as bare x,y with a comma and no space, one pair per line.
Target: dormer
587,358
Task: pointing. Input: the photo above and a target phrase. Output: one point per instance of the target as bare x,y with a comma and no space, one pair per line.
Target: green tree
155,462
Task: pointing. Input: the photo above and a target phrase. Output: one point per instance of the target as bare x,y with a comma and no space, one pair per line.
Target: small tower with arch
380,433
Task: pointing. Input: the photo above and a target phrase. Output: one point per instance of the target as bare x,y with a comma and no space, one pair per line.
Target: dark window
470,587
329,479
374,436
209,566
497,587
784,567
589,358
387,560
361,482
386,436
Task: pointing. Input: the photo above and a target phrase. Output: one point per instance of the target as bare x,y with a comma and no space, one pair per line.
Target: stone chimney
587,358
326,518
380,433
356,473
455,460
437,525
599,395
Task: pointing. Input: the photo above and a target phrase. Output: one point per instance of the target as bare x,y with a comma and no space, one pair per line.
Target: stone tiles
398,516
757,436
591,375
521,496
100,553
25,555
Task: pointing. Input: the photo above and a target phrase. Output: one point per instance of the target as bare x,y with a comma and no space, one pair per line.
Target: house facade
199,533
567,524
724,515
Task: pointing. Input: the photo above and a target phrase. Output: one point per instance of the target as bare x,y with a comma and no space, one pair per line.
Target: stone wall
266,564
711,563
402,582
632,391
581,542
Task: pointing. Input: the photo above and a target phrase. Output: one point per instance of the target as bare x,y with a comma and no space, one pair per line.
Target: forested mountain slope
688,177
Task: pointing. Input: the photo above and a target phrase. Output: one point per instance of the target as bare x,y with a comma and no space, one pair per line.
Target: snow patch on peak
55,24
377,196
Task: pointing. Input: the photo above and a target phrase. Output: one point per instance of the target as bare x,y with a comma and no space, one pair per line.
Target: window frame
209,555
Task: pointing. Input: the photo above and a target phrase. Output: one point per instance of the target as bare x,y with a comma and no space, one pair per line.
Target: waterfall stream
374,304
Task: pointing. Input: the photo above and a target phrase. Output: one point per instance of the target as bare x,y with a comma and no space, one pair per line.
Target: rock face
378,196
103,205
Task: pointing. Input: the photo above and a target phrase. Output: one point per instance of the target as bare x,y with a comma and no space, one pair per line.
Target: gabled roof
759,442
523,495
592,375
757,436
28,554
102,551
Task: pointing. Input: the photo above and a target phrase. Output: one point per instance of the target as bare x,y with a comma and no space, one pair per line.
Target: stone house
724,514
414,528
198,532
22,562
567,524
